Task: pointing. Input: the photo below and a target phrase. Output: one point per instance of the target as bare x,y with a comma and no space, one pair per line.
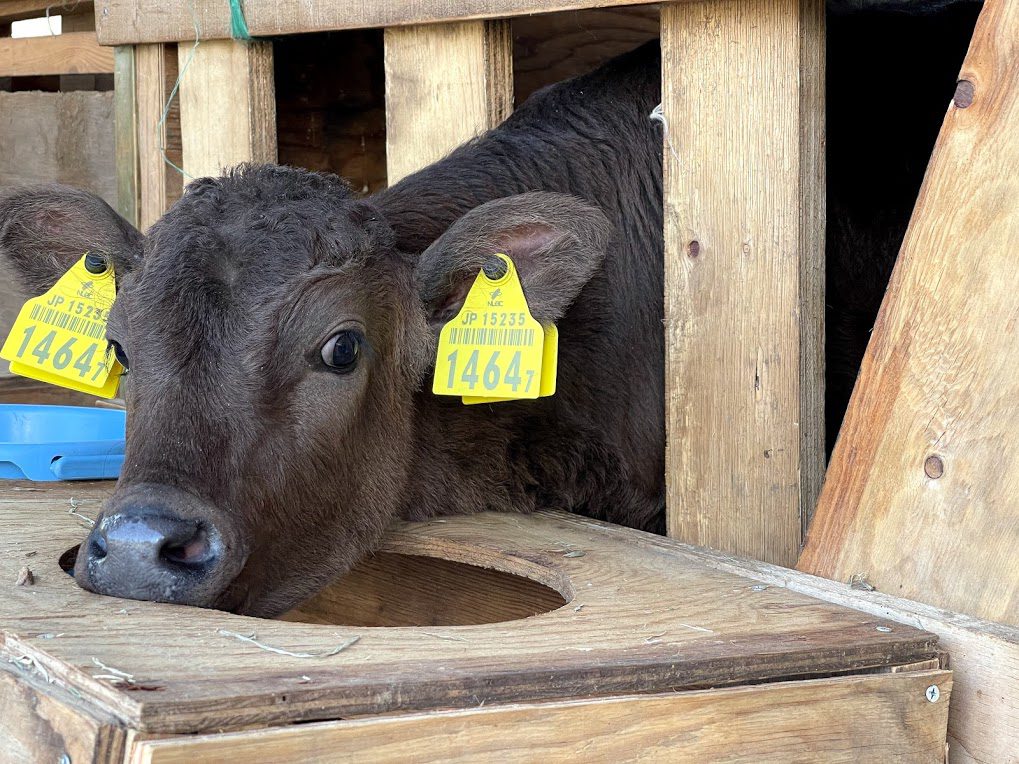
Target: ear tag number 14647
60,337
494,350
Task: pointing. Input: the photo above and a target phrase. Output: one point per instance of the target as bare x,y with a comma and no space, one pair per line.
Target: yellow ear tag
493,349
60,337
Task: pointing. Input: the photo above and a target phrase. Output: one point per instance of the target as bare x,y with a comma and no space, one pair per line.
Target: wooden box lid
644,614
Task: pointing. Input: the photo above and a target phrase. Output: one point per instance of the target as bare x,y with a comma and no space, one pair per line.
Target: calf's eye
119,353
341,351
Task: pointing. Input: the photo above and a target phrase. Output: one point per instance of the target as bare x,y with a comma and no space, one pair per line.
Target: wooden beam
227,105
72,53
160,183
15,10
445,84
125,134
743,99
922,487
863,719
133,21
983,722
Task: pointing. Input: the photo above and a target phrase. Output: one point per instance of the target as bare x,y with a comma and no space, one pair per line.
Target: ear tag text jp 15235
494,350
60,336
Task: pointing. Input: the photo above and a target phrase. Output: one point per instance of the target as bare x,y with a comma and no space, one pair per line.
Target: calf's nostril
97,546
194,552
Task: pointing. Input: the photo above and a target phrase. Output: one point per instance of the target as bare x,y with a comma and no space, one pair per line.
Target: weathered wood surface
445,84
41,723
125,133
921,492
133,21
227,106
160,185
15,10
851,719
744,252
643,616
983,723
71,53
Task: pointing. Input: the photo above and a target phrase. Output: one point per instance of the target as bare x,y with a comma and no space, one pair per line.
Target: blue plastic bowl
48,443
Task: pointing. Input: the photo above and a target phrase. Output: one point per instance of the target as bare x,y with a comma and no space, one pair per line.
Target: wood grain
445,84
921,491
15,10
125,133
643,616
71,53
133,21
856,719
160,184
227,106
42,723
983,723
743,98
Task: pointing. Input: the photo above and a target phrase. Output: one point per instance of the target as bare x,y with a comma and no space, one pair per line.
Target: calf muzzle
157,543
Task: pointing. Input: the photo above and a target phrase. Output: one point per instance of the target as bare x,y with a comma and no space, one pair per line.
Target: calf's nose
149,552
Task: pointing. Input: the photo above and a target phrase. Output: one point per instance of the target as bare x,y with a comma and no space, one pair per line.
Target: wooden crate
586,658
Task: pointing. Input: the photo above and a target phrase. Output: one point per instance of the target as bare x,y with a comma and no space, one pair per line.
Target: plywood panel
445,84
618,634
227,106
71,53
743,101
856,719
921,492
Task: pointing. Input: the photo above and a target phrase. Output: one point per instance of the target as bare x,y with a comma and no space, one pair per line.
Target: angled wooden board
921,491
618,633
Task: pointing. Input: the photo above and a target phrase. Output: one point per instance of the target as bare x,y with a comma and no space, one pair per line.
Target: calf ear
556,242
44,230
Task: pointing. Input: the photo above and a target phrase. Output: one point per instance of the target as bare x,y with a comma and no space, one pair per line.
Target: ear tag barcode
494,350
60,337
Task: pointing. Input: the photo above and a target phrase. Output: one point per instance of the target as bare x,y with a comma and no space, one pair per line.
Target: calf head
276,340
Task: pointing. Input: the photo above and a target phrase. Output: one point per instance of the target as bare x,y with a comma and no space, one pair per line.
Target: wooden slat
743,99
160,184
227,106
855,719
923,482
41,723
983,724
643,616
125,133
72,53
132,21
15,10
445,84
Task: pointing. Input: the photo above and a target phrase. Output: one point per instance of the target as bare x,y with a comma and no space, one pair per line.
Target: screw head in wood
933,693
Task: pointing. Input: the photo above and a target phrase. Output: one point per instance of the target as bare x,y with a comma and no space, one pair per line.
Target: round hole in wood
66,561
392,589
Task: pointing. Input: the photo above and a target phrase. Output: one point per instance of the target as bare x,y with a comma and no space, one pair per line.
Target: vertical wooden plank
922,488
227,105
445,84
125,143
743,98
160,184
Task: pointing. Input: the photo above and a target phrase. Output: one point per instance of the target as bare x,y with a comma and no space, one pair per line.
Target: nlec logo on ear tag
494,350
60,336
